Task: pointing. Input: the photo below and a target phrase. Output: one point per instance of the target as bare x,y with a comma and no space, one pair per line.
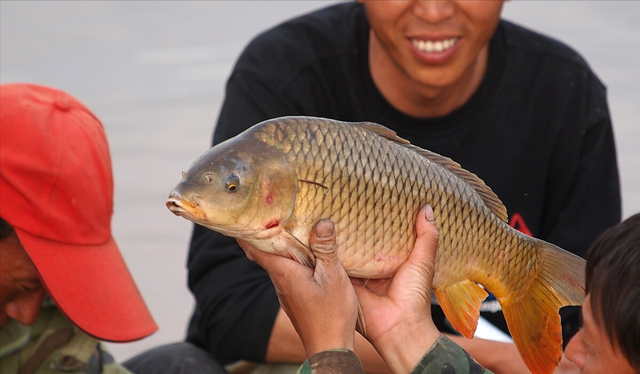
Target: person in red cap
57,255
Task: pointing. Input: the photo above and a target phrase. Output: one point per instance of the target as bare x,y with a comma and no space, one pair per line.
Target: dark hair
613,284
5,229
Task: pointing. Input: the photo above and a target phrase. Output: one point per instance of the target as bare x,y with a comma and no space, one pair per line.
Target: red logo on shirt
517,222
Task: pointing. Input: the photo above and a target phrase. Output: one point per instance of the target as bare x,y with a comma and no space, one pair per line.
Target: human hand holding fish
323,307
398,310
319,301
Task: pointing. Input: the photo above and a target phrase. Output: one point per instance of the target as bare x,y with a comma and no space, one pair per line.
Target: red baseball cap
56,190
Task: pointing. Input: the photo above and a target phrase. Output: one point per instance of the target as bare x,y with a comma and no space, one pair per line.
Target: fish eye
231,183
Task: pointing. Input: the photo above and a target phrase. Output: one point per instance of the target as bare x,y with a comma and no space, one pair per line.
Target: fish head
241,188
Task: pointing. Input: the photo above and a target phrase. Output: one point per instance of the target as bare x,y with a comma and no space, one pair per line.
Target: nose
26,307
575,351
175,193
434,11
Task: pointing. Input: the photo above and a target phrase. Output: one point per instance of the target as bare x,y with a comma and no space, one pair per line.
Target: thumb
323,245
417,273
323,240
426,238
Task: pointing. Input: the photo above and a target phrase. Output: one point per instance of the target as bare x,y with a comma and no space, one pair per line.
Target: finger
424,251
323,245
328,271
323,239
415,277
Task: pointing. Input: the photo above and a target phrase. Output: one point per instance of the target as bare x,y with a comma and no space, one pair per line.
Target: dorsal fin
383,131
485,192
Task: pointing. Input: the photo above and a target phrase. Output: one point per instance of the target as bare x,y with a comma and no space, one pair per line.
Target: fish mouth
186,209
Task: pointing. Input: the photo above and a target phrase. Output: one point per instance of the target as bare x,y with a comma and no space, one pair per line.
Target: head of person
423,46
21,292
56,203
608,340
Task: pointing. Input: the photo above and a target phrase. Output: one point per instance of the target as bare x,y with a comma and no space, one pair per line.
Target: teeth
434,46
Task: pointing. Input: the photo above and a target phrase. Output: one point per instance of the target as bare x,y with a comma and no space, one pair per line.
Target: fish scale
342,165
270,184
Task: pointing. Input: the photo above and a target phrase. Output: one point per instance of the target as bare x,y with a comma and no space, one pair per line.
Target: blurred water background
154,73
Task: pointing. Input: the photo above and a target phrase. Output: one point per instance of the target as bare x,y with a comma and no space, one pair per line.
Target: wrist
404,346
342,360
489,353
320,344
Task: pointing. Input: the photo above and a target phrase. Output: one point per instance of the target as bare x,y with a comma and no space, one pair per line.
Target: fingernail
324,229
428,213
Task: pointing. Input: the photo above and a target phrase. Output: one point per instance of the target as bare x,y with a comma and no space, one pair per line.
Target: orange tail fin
533,317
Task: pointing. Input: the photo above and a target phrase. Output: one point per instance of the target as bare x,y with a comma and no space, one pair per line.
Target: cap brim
92,286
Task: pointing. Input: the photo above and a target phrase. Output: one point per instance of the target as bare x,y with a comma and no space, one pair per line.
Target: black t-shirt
537,131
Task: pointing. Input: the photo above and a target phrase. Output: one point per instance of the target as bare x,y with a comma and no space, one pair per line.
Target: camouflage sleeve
447,357
444,357
74,351
334,361
53,345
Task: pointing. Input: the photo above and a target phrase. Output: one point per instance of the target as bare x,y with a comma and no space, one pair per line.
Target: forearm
443,355
496,356
447,355
235,301
285,346
403,347
336,361
370,358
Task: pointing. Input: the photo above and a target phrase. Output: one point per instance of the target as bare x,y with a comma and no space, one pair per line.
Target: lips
435,51
186,209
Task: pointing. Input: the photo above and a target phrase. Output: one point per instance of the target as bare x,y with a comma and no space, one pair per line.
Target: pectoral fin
461,302
298,251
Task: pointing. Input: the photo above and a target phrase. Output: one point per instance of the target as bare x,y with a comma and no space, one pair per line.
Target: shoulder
288,48
53,344
552,71
526,41
547,53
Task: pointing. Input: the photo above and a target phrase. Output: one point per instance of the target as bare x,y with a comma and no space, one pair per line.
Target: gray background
154,73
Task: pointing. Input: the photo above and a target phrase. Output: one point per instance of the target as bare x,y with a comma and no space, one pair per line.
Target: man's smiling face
434,43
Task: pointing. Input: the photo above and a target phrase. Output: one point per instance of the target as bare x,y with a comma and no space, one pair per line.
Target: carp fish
270,184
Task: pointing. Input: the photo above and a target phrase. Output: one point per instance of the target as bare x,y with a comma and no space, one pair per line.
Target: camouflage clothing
52,345
447,357
444,357
334,361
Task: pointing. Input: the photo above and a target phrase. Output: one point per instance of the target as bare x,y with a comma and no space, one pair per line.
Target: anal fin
461,302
